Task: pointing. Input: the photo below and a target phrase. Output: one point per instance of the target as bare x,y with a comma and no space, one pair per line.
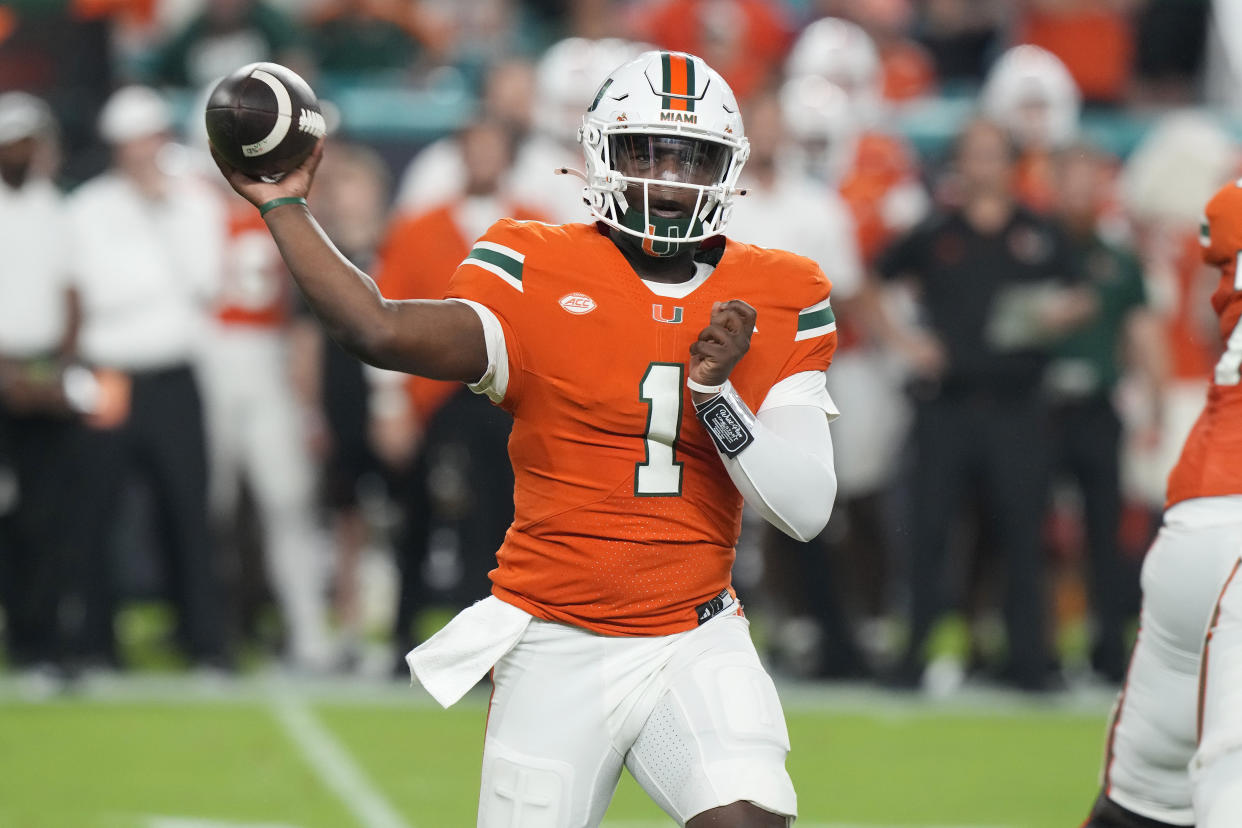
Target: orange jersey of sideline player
255,290
625,519
417,260
1211,460
881,163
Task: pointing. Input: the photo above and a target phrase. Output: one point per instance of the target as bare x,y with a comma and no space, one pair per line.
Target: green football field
173,752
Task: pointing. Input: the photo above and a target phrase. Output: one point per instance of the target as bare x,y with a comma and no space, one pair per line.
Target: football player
1030,91
647,406
1180,683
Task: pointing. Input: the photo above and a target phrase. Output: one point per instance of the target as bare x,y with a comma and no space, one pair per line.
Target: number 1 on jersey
660,474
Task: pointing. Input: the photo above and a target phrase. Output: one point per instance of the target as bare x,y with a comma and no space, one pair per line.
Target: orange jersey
881,163
255,284
1211,460
909,71
625,519
1034,180
417,260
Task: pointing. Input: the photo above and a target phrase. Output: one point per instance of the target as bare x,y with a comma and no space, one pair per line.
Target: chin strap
569,171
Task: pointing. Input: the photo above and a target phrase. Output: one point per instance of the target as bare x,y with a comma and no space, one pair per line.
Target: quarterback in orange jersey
658,375
1183,688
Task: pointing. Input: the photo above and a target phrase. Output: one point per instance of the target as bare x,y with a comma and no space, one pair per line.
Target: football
264,119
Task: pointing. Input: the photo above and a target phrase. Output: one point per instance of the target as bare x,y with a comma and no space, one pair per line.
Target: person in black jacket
994,287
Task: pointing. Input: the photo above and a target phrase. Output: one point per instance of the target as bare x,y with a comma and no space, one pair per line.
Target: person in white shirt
147,241
38,431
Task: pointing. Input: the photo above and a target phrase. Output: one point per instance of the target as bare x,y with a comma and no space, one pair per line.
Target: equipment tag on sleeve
728,430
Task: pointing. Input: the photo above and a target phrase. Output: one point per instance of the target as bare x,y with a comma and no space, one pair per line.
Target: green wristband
268,206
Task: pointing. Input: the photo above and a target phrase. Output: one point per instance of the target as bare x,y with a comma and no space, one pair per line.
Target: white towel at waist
454,659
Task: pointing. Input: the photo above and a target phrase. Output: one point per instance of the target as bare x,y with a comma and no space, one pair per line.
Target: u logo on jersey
657,313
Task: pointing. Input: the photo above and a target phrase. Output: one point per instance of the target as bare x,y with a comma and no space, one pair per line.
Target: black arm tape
728,421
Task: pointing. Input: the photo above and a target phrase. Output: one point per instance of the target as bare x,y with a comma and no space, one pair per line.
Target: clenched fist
723,343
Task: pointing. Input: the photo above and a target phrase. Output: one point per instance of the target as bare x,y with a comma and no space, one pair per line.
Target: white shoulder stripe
811,333
818,306
502,250
491,268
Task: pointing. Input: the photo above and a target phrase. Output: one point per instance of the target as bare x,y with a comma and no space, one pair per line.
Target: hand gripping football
264,119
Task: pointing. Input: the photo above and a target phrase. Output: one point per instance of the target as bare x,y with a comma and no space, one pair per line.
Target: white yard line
155,821
334,765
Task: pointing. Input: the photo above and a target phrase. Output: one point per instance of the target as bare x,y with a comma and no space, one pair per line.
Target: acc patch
577,303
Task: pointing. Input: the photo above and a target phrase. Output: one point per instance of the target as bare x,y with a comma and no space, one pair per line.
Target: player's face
671,159
1078,179
15,160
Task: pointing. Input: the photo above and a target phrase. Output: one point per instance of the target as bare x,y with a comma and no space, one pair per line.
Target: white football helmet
1031,93
842,53
820,118
661,126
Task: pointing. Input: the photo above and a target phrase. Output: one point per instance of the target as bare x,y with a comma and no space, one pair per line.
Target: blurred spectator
225,35
566,80
482,31
146,243
438,172
1172,43
359,37
1094,39
65,57
962,37
745,40
591,19
449,444
992,280
256,405
350,198
1083,380
906,67
784,208
1031,93
38,432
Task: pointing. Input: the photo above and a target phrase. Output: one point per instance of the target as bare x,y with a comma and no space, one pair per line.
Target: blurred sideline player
259,395
835,110
1125,339
146,239
351,201
256,402
423,427
784,208
1033,95
438,171
875,171
613,632
38,421
1182,683
906,68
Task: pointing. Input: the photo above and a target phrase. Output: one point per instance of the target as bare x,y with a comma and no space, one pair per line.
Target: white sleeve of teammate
495,380
787,473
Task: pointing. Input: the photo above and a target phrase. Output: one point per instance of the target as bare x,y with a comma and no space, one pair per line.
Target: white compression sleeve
787,473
